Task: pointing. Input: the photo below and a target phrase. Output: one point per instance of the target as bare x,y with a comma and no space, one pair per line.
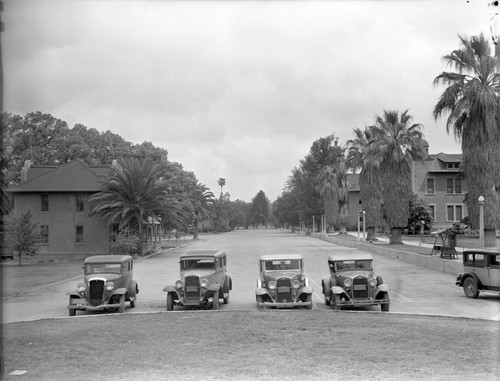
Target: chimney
24,171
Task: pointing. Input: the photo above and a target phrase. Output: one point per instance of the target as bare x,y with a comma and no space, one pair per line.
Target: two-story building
58,198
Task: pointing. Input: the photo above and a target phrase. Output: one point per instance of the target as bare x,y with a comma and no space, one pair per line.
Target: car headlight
373,282
179,284
110,286
204,283
296,283
82,287
347,283
259,283
271,285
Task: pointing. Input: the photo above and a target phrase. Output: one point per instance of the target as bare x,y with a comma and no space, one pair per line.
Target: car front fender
261,291
306,290
337,290
170,288
472,275
381,288
119,291
213,287
76,294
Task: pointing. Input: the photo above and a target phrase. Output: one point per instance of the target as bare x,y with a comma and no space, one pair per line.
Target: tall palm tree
133,194
395,143
472,99
370,192
203,205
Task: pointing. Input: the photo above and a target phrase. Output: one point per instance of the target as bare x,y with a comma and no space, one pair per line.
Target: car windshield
351,264
281,264
103,268
191,264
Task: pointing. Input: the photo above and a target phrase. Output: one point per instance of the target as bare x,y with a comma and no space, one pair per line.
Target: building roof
75,176
449,157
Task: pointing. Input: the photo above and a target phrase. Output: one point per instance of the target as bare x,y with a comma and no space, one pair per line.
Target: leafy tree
134,194
203,206
370,185
259,211
125,241
419,211
21,234
472,99
220,215
239,214
395,144
222,183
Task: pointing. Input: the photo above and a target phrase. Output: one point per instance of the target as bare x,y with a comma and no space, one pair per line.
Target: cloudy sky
233,89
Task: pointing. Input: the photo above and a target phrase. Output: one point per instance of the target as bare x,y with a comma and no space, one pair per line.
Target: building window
454,213
430,189
79,234
45,203
432,208
44,233
453,165
454,185
79,202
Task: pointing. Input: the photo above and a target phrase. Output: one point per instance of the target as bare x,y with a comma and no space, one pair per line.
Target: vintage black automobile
107,284
204,280
481,271
283,283
352,282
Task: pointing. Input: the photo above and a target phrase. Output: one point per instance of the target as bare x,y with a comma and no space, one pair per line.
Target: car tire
132,303
226,299
327,300
121,309
215,303
309,299
336,303
72,312
379,280
170,302
384,307
471,289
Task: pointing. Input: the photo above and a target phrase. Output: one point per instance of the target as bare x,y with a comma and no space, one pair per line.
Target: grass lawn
253,345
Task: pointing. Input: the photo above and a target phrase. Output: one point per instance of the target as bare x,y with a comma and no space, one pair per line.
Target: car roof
274,257
107,259
350,257
482,251
202,254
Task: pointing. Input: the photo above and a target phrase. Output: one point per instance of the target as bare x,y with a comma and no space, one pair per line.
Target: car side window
480,259
495,261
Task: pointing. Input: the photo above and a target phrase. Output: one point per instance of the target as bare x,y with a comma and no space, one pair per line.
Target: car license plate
358,287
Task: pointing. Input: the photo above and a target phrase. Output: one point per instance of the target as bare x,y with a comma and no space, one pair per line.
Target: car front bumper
363,302
285,304
84,306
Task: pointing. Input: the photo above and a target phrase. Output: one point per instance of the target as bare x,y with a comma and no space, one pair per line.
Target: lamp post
422,230
481,221
313,225
300,223
359,222
364,226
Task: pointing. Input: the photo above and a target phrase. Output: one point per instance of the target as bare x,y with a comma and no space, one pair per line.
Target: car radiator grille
284,290
96,292
192,287
360,288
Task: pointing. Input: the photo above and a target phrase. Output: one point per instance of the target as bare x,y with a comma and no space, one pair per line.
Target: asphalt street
413,289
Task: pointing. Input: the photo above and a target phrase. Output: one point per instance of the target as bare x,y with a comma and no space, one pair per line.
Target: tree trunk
490,239
370,233
342,229
396,238
195,229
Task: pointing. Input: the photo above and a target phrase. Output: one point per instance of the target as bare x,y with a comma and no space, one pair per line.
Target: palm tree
370,192
133,194
395,143
203,205
472,100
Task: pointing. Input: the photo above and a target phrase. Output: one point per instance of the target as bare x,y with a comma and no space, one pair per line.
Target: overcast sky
233,89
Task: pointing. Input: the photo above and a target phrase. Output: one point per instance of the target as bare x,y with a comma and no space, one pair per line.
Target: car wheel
132,303
327,300
122,304
170,302
259,301
336,303
309,299
379,280
470,288
215,303
226,299
72,312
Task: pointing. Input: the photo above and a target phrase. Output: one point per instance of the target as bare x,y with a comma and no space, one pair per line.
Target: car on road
481,271
203,280
282,282
107,284
352,282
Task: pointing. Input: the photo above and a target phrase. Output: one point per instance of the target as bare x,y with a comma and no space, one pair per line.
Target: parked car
282,282
107,284
203,280
352,282
481,271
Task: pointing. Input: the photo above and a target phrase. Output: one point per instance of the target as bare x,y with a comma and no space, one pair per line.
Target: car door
494,270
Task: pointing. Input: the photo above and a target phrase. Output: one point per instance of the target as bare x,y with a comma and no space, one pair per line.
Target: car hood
197,272
355,273
281,274
106,277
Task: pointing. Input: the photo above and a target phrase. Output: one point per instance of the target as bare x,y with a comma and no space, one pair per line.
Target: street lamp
300,225
481,221
364,225
313,224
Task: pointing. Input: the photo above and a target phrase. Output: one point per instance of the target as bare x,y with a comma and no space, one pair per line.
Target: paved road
414,290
